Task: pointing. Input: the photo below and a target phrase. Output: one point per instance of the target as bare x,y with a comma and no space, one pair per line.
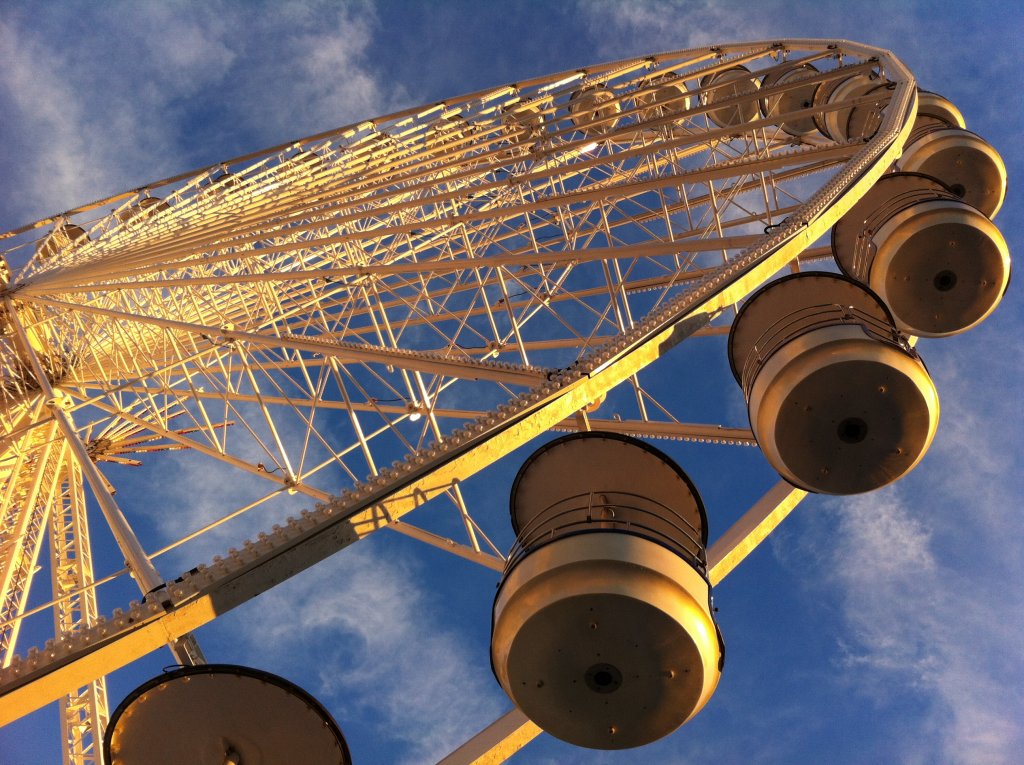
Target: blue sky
878,628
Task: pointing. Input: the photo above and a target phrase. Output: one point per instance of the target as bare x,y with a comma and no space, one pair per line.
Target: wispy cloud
131,101
925,573
97,116
662,25
35,88
384,655
915,626
187,492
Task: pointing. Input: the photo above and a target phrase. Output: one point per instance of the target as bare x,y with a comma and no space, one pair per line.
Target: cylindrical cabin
594,110
962,160
664,95
144,208
933,109
225,180
734,82
305,161
851,122
938,263
447,132
305,158
838,402
216,714
61,238
795,97
218,188
602,631
524,122
864,120
304,168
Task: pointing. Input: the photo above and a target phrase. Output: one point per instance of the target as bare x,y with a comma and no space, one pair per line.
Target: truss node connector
291,482
60,400
162,595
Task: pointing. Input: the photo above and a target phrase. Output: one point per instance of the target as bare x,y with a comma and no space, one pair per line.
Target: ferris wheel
359,322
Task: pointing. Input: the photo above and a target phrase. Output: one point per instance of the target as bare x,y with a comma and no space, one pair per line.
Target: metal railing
809,319
615,512
865,247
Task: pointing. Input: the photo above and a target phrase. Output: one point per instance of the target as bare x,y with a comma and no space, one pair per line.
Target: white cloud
192,491
916,621
183,53
382,650
883,562
980,440
49,109
664,25
926,574
170,89
337,90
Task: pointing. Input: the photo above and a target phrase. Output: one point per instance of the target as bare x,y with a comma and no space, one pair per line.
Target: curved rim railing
809,319
920,131
583,514
865,248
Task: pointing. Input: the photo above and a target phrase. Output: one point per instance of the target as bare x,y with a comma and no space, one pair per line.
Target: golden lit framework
367,317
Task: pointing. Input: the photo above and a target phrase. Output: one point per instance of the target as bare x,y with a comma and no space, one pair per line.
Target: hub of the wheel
39,342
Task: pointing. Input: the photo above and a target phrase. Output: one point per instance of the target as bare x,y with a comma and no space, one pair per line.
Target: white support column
497,742
23,530
83,711
752,529
185,649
